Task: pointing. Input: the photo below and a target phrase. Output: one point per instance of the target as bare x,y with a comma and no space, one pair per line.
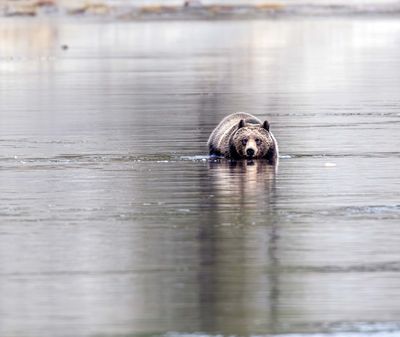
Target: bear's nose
250,152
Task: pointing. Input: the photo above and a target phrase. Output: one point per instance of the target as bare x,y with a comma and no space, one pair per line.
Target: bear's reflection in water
237,274
245,187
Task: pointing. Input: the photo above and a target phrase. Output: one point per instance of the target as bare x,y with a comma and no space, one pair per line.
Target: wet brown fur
226,139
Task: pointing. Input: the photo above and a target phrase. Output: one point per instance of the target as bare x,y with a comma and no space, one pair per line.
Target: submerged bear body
243,136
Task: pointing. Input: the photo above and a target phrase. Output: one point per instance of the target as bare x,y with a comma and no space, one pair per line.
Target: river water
114,222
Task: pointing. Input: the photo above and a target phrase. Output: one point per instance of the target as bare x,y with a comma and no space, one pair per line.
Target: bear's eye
258,141
244,141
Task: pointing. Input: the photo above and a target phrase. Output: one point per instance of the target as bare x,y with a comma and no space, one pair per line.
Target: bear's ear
241,124
266,125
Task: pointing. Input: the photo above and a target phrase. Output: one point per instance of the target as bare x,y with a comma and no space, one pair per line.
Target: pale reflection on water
114,222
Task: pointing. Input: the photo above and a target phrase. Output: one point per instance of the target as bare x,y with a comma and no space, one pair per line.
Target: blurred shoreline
193,9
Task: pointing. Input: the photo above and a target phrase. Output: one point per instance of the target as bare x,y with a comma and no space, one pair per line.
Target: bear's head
252,141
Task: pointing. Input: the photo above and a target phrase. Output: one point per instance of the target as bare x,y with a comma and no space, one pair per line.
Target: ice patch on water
362,333
373,209
334,334
342,334
339,329
333,156
387,211
195,158
330,164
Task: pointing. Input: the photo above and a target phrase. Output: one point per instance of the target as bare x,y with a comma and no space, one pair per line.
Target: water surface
113,221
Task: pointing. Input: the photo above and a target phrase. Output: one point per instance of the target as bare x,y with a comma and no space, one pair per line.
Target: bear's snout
250,152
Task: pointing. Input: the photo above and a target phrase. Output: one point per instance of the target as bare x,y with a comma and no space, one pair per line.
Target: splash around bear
243,136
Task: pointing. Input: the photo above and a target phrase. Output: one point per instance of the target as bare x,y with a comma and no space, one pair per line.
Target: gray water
114,222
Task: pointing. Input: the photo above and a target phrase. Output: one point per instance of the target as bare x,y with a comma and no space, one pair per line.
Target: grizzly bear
243,136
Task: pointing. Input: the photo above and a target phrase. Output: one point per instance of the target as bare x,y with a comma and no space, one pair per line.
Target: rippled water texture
114,222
